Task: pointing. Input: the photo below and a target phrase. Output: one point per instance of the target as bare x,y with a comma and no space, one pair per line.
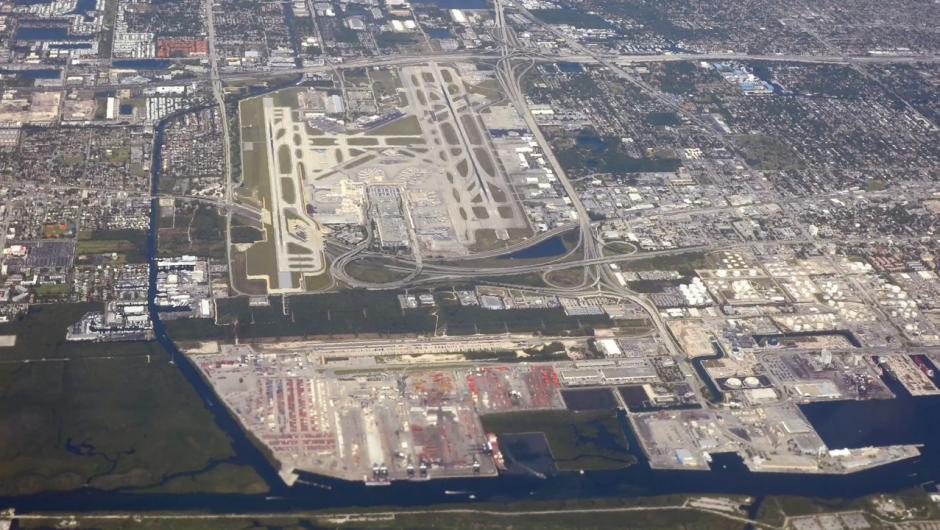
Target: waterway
841,424
143,64
460,4
49,34
552,246
703,374
45,73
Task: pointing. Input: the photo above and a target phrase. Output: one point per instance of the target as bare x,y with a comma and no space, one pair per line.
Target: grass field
319,282
287,97
284,161
104,415
52,289
288,193
486,240
246,234
616,248
254,160
567,277
405,140
132,244
240,275
194,229
578,440
686,261
262,258
405,126
362,141
373,272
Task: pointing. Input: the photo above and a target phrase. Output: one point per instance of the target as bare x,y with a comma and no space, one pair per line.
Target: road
386,516
216,80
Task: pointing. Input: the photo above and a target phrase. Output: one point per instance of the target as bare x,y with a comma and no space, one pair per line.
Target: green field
255,160
284,161
533,279
194,229
132,244
52,289
405,126
681,262
578,440
262,258
294,248
362,141
567,277
288,193
618,248
405,140
246,234
108,415
287,97
373,272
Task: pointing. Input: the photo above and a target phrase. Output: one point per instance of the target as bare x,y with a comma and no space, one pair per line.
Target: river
841,424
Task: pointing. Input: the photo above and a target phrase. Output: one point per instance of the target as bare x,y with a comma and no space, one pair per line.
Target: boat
887,370
300,481
492,446
923,367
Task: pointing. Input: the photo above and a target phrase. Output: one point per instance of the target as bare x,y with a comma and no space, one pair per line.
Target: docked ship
923,367
492,446
885,369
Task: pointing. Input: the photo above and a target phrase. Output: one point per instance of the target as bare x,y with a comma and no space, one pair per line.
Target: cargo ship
492,446
885,369
923,367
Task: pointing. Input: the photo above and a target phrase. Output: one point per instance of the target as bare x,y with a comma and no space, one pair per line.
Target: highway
232,74
217,91
587,58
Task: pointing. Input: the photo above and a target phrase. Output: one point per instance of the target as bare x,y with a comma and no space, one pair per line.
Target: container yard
374,425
